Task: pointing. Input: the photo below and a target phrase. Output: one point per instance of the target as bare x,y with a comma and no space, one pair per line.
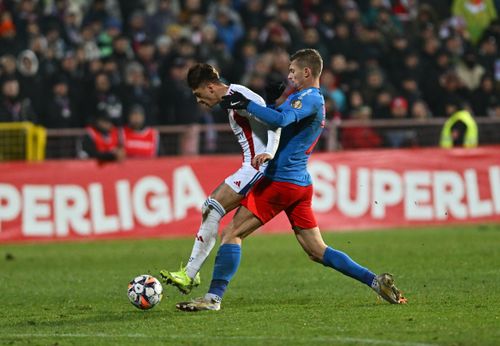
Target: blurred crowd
63,62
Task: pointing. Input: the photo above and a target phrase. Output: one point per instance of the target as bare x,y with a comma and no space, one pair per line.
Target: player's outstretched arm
273,118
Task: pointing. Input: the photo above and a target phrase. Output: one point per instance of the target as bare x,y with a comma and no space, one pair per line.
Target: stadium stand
390,65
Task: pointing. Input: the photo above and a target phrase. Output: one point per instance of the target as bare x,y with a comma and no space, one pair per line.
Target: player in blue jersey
287,186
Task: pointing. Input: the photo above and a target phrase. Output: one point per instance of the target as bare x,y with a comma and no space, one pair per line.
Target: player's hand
274,90
235,100
260,159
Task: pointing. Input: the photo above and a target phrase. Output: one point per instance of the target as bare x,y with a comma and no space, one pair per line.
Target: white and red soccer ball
145,292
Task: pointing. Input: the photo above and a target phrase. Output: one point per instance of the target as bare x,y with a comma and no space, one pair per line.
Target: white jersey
254,136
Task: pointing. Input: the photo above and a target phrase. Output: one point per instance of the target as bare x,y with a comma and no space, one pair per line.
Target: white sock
213,297
206,238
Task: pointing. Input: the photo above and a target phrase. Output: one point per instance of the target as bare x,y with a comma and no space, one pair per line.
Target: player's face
297,74
206,96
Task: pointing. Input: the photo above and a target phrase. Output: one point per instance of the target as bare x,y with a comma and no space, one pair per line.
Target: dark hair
309,58
200,74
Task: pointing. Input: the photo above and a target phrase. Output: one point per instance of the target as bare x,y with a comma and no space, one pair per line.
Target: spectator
178,106
387,23
494,111
139,140
330,89
138,92
61,109
102,140
96,13
485,97
164,15
450,87
382,104
214,50
8,42
122,52
344,43
394,63
289,20
347,73
146,56
8,66
13,106
409,88
326,25
431,85
460,130
137,28
400,138
374,84
251,14
399,108
30,81
362,135
105,39
312,40
420,111
489,54
355,101
228,24
71,25
104,98
274,35
163,47
469,71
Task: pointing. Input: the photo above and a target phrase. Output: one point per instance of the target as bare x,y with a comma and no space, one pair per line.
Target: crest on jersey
297,104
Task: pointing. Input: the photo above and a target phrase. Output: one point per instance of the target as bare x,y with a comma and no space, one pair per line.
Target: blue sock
226,265
344,264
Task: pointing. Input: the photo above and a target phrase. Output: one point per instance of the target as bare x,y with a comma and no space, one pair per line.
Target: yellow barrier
22,141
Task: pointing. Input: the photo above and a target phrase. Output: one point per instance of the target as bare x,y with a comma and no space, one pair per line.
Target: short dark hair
309,58
200,74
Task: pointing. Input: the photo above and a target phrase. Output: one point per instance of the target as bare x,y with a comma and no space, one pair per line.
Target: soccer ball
144,292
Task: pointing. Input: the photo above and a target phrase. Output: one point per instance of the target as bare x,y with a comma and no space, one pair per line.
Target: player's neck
309,84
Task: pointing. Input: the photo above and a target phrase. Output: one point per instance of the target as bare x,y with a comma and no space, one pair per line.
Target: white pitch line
222,337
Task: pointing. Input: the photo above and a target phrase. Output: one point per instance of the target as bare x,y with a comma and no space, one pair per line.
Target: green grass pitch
75,293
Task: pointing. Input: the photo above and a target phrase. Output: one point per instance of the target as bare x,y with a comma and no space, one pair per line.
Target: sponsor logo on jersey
297,104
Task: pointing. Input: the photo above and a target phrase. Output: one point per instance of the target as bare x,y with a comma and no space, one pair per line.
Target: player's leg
228,256
223,199
313,244
257,208
309,236
227,261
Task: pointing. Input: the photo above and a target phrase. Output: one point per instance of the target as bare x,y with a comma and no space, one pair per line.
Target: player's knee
212,204
229,235
205,209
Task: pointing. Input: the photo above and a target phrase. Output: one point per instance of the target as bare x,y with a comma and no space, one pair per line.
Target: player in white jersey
258,143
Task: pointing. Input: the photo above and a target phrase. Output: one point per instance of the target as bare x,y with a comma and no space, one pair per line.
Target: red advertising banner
60,200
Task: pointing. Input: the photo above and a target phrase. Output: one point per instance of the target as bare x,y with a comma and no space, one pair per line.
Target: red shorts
268,198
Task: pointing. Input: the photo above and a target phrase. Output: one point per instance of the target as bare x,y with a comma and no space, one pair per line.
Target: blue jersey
302,118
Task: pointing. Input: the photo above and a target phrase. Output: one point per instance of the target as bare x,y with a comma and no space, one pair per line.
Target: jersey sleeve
273,140
306,108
